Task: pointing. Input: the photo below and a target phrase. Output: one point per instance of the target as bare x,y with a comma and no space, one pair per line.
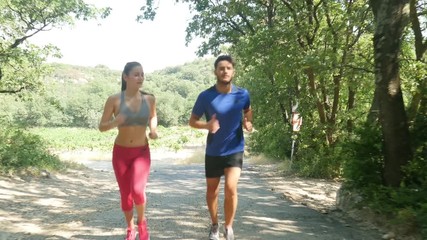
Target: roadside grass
70,139
197,156
284,166
33,151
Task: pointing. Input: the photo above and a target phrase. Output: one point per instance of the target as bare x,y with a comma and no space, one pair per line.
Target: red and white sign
296,122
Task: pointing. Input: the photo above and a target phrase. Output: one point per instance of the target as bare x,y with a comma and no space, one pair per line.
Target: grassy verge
31,151
69,139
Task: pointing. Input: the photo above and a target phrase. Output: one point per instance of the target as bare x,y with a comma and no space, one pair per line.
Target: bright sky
119,38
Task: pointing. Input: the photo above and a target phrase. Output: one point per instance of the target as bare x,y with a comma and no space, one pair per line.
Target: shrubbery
406,205
21,150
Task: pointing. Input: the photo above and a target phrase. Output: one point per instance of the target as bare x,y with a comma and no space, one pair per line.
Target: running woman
226,108
131,111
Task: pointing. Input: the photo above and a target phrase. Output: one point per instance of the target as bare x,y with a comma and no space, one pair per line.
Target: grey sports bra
135,118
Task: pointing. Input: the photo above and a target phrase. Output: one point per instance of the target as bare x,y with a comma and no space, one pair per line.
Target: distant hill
75,95
199,72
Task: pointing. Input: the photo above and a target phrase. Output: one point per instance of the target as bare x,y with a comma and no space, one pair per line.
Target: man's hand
247,125
213,124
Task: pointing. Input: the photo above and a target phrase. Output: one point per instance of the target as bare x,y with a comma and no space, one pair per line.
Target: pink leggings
132,168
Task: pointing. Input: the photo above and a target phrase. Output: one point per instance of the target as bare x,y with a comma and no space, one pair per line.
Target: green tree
170,108
293,51
21,63
417,72
391,18
418,15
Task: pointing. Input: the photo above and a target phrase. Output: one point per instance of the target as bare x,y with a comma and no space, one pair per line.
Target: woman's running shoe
143,231
130,234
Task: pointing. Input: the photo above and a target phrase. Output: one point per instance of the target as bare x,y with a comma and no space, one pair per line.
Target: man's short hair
227,58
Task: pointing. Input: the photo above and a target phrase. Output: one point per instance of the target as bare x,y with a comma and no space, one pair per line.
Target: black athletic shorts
215,165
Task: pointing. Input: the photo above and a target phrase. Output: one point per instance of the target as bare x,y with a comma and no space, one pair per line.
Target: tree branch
12,91
420,47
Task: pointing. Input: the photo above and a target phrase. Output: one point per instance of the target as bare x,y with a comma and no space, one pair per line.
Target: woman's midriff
131,136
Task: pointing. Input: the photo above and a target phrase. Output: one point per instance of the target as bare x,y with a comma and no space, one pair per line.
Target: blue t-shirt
228,108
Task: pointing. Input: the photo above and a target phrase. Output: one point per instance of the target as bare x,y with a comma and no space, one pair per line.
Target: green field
69,139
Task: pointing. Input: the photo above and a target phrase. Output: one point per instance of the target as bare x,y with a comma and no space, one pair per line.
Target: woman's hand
119,119
153,135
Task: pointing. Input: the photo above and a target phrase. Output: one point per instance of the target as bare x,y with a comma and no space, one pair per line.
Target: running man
226,108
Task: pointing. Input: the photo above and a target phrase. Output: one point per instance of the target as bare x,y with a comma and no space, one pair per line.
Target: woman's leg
140,173
123,175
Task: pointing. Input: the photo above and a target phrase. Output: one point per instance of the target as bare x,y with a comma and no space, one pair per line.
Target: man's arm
247,119
212,125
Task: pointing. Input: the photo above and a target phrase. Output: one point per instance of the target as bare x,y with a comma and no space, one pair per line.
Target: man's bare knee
230,191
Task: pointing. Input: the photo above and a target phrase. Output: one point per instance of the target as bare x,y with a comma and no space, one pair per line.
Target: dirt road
84,204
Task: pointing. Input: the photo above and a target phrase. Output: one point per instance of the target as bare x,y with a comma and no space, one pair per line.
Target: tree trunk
350,105
390,19
321,109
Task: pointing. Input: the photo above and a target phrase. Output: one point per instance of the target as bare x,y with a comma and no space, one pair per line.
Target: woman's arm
107,121
152,122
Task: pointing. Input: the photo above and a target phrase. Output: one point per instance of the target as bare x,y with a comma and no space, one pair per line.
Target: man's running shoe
228,234
130,234
214,232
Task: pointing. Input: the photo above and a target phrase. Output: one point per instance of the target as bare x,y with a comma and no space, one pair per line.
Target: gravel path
84,204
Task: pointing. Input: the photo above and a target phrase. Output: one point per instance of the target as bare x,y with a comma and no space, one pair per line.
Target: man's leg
232,175
212,192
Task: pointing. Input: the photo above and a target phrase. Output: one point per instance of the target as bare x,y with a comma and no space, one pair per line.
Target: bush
319,161
364,158
21,149
405,206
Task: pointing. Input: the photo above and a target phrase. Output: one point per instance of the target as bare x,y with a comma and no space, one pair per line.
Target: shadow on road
85,205
177,210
